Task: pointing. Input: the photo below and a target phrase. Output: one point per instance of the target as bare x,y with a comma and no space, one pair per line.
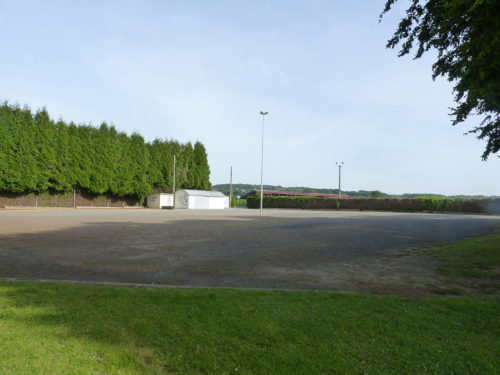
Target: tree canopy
466,35
39,155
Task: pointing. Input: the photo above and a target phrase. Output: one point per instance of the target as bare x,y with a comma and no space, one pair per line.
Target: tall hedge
40,155
384,204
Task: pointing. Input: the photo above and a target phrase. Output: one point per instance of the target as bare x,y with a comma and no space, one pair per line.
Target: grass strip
56,328
477,257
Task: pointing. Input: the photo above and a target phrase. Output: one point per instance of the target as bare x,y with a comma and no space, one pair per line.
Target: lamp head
263,113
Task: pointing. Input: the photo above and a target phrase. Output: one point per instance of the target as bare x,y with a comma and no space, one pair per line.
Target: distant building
200,199
162,200
276,193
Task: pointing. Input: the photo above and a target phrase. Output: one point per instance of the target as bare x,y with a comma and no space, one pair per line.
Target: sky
203,70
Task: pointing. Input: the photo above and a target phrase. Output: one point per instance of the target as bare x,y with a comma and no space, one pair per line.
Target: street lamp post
231,187
262,161
340,168
173,184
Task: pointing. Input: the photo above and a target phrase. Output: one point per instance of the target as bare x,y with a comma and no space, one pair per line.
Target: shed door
200,202
216,202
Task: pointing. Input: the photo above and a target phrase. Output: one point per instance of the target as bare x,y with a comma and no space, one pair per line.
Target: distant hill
242,189
414,195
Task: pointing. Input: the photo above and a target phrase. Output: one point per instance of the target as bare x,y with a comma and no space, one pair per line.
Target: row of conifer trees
38,154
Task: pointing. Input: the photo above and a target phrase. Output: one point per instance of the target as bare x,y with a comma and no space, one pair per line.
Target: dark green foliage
39,155
18,151
162,159
384,204
440,204
46,156
286,202
466,35
378,194
202,167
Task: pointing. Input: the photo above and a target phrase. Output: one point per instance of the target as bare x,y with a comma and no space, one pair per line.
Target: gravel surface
372,252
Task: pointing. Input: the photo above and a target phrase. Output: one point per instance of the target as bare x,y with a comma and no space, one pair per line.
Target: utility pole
262,162
173,185
231,187
173,177
340,173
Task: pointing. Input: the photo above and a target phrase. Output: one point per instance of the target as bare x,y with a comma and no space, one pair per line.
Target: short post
74,199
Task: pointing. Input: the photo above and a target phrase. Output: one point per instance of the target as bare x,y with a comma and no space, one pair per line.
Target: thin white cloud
203,71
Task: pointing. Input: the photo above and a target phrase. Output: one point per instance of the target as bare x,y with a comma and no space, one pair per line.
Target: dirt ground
350,251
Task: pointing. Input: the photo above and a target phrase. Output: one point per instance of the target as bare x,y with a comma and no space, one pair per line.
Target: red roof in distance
276,193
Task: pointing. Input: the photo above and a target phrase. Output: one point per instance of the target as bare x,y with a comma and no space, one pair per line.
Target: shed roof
203,193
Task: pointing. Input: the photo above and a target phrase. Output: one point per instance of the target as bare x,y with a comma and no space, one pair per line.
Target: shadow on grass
218,331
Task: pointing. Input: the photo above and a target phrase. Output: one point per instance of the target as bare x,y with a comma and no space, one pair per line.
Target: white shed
186,198
162,200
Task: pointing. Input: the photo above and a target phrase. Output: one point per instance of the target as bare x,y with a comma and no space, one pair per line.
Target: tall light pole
173,183
340,169
262,161
231,187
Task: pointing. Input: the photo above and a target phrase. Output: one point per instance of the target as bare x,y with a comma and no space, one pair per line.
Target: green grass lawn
51,328
56,328
477,257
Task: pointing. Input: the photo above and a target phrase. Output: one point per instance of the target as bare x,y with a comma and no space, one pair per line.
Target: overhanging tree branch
466,35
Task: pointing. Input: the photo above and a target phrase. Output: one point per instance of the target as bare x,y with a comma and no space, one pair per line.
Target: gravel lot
371,252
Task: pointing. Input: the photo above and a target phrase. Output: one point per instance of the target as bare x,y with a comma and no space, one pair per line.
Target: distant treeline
38,154
242,189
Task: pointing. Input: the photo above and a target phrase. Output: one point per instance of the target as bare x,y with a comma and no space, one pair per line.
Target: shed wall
181,199
216,202
185,200
160,200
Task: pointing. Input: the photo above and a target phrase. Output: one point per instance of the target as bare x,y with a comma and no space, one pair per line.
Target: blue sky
202,70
